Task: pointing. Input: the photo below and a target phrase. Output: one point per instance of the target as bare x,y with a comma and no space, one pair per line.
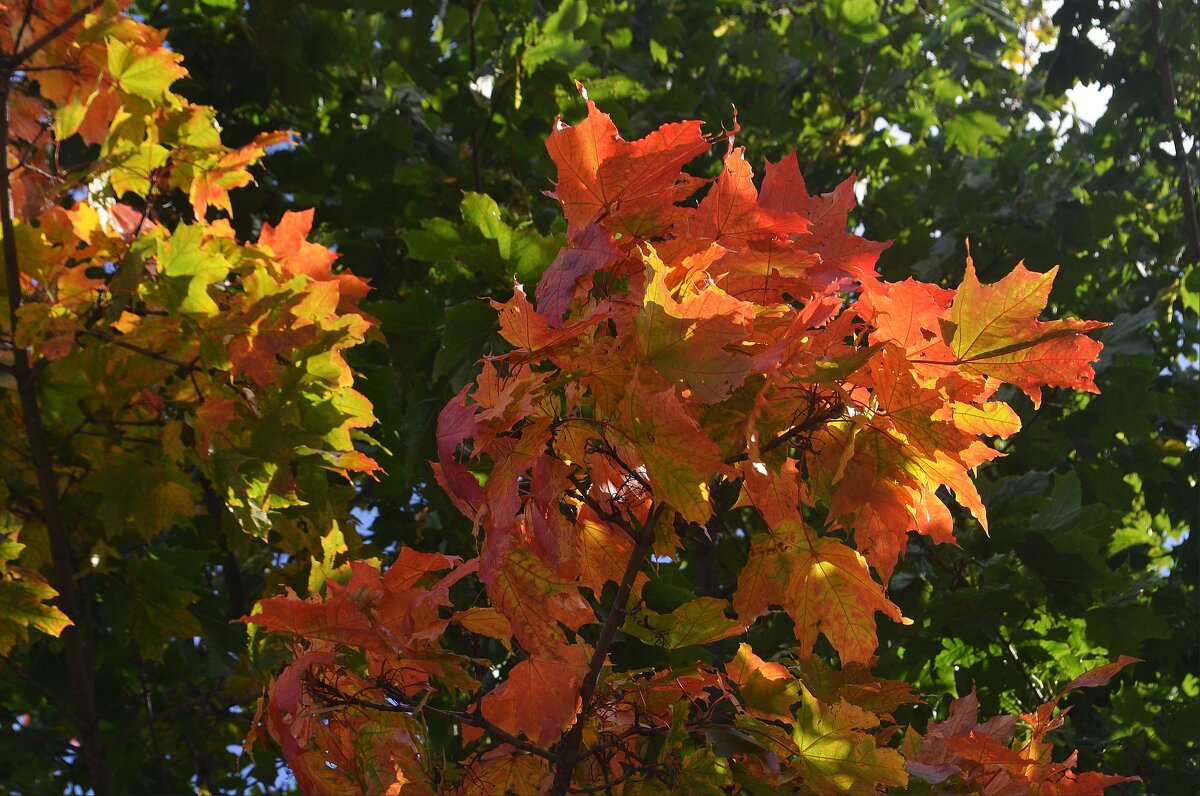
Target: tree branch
568,749
14,61
869,58
231,568
811,423
183,707
26,18
610,784
108,338
79,659
51,697
334,696
1186,190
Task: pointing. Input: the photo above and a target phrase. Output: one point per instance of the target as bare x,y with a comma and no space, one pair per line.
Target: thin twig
48,693
811,423
403,704
51,68
25,20
610,784
146,352
869,58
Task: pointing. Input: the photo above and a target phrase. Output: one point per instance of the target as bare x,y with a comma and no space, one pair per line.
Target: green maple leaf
835,756
159,611
189,270
700,621
23,605
142,72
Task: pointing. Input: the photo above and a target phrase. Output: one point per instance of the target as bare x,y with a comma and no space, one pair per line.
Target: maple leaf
587,251
530,331
502,491
835,756
189,270
776,495
985,754
486,622
784,189
411,567
689,340
604,550
535,601
371,610
699,621
731,213
289,242
143,71
1088,783
993,330
767,272
456,424
503,770
554,534
24,602
991,418
823,585
679,459
830,748
556,680
256,355
855,683
846,260
1099,675
767,690
832,592
908,410
211,186
338,617
881,487
631,187
910,314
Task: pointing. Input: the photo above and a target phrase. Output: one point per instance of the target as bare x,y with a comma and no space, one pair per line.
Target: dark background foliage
955,117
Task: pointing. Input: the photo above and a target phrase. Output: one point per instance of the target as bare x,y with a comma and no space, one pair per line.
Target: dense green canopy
421,130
